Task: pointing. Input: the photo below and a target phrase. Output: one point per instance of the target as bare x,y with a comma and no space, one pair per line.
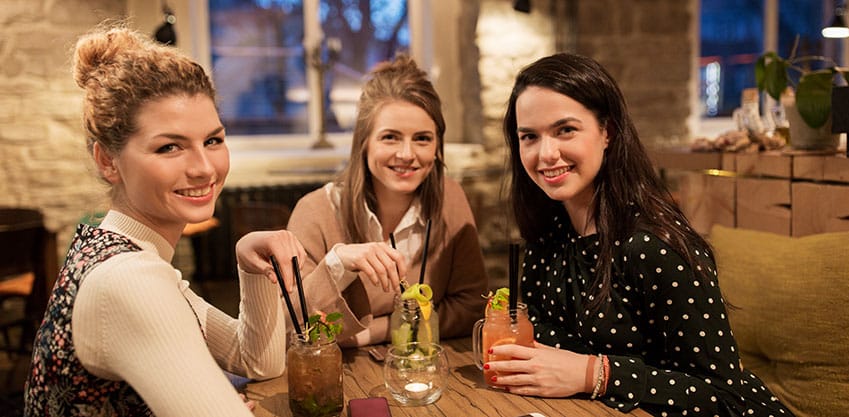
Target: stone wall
43,161
648,47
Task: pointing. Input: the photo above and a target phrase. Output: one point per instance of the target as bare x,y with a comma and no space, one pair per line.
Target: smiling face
561,145
401,149
172,170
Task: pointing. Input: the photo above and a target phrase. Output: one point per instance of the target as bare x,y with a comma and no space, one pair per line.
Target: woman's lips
555,175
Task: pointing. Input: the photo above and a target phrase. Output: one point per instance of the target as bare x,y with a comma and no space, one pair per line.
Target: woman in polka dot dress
623,293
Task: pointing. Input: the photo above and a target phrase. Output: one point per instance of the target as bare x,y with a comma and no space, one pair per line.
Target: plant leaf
760,72
813,97
775,78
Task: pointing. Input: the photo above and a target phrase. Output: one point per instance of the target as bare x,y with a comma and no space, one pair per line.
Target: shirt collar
413,217
140,234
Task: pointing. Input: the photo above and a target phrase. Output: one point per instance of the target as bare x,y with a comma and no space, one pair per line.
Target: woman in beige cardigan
393,183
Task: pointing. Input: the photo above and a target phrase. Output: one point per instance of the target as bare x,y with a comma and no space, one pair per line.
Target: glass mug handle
477,343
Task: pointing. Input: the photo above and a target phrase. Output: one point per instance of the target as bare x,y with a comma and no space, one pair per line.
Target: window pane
805,20
259,64
731,41
369,32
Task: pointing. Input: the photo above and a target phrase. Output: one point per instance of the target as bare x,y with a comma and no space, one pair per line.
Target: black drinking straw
514,279
424,252
392,241
297,271
286,295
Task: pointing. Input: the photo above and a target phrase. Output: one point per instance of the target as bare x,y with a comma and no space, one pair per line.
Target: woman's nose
548,149
200,164
405,151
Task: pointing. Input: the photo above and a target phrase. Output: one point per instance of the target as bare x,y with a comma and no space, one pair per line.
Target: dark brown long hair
625,184
397,80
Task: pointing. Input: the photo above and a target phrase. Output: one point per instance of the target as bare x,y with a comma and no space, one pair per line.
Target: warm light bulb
836,32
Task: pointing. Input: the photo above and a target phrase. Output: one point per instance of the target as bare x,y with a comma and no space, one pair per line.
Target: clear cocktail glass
413,322
500,327
315,378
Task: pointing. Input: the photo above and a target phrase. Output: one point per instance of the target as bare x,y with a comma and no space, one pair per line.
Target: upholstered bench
791,319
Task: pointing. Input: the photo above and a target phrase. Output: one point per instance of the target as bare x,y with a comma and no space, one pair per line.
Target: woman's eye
388,136
527,136
565,130
213,141
423,138
171,147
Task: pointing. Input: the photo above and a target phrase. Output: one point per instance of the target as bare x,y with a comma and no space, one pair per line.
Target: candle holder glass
416,373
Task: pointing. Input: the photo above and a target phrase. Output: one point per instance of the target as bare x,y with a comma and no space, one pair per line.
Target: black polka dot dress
665,332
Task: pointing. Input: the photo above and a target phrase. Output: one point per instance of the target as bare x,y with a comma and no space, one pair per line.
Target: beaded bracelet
605,363
599,379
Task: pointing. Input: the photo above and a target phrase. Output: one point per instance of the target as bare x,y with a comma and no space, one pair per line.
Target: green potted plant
812,89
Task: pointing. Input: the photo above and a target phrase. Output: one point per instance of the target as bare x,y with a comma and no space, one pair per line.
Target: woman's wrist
601,370
590,374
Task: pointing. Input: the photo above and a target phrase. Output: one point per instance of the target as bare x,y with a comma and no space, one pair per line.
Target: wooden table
467,395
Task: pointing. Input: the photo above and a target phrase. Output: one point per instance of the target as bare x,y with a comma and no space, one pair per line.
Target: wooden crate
707,200
764,204
819,208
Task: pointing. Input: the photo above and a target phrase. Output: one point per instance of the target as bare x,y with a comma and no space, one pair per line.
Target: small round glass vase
315,378
415,373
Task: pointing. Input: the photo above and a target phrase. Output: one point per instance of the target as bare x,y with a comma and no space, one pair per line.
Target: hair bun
97,51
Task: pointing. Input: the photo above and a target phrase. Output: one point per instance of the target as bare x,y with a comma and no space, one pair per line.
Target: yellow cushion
792,321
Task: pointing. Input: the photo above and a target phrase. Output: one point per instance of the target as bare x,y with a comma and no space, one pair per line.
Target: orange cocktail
500,327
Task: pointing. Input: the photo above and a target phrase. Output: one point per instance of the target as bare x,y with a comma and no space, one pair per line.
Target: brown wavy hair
397,80
121,70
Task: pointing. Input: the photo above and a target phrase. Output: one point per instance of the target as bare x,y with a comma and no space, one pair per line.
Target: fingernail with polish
489,351
494,378
486,366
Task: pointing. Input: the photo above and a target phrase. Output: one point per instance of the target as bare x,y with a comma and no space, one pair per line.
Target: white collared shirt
409,235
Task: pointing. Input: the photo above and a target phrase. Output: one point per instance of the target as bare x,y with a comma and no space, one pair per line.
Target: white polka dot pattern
666,333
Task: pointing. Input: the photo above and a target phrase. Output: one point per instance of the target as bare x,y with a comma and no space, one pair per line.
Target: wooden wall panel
707,200
763,204
819,208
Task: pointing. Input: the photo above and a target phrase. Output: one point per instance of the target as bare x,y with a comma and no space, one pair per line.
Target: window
733,36
261,66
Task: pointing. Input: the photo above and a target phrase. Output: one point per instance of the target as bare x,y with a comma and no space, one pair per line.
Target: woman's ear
105,164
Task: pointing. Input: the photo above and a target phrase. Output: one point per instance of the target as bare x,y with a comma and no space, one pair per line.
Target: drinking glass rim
303,340
519,306
435,349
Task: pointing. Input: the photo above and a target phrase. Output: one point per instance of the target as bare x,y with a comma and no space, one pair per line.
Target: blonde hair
121,70
397,80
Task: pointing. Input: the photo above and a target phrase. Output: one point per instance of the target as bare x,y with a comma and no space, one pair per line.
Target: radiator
238,210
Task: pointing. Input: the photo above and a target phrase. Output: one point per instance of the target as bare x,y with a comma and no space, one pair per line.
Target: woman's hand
376,261
251,404
541,371
254,250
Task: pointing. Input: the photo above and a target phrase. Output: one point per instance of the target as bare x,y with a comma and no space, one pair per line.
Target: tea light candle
416,390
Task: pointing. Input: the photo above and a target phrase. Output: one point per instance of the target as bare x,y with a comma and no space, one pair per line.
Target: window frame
713,126
193,26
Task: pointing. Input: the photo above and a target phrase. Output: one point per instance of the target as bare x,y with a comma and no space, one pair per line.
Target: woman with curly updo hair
123,334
